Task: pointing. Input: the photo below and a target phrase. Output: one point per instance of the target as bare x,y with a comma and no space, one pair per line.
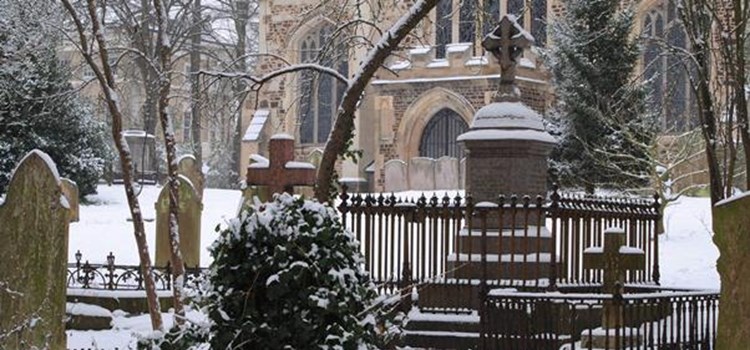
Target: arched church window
665,70
439,136
457,21
320,94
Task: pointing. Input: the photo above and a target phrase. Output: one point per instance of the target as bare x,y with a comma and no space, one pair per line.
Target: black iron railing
663,320
109,276
435,240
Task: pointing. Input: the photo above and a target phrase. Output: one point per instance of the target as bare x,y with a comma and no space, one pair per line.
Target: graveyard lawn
687,253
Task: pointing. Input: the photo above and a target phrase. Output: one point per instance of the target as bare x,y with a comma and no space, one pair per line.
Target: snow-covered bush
288,275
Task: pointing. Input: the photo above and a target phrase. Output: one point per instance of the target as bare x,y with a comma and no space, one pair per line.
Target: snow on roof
258,162
505,134
507,115
477,61
420,50
282,136
298,165
256,125
136,133
441,63
452,78
400,65
457,47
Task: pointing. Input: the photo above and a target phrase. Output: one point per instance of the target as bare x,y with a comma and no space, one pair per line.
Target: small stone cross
614,258
281,172
506,42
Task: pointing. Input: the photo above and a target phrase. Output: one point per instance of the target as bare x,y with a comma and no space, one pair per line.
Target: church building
427,94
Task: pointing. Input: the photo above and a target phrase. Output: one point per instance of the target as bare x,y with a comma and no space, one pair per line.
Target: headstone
421,174
447,173
614,258
731,224
189,224
281,173
70,191
396,178
189,167
34,248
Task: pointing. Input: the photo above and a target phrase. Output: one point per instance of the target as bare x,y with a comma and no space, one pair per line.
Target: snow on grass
104,225
687,253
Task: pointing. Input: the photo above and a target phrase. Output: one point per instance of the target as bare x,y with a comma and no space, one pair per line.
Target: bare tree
92,45
716,32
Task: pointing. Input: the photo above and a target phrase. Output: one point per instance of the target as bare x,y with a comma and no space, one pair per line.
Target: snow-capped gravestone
731,221
280,173
189,167
614,258
189,224
70,191
507,146
34,248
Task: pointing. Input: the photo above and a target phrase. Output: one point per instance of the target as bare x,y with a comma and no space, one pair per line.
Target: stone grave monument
189,224
70,191
279,173
731,223
614,259
189,167
506,154
34,245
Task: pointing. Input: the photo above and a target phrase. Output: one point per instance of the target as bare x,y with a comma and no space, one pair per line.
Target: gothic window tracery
665,71
457,21
320,94
440,133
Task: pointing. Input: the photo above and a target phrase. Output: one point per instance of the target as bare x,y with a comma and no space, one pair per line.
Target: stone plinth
731,223
506,152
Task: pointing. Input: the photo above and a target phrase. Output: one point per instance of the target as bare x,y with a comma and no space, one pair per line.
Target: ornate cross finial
506,42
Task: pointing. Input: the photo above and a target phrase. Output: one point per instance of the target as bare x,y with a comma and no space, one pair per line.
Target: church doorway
440,133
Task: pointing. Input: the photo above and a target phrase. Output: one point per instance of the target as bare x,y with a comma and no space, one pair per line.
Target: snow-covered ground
687,254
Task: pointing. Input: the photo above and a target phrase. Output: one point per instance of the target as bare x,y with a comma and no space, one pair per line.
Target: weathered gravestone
396,178
447,173
34,249
614,258
189,224
731,221
422,174
188,167
70,191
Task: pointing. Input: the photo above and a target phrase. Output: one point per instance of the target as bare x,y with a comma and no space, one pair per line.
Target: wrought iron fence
667,320
109,276
431,241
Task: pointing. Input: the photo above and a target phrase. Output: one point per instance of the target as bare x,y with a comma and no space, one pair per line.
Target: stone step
441,340
519,241
509,267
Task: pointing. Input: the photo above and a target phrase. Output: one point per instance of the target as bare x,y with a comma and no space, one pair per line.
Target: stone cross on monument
614,258
281,173
506,42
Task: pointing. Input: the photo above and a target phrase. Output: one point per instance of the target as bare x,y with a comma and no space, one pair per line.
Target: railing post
655,274
405,286
554,214
111,271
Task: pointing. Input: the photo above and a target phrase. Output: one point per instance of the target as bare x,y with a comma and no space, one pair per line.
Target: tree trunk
195,89
343,128
106,81
164,52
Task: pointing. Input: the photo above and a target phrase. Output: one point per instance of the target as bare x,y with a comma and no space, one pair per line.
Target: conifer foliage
38,106
602,116
287,275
